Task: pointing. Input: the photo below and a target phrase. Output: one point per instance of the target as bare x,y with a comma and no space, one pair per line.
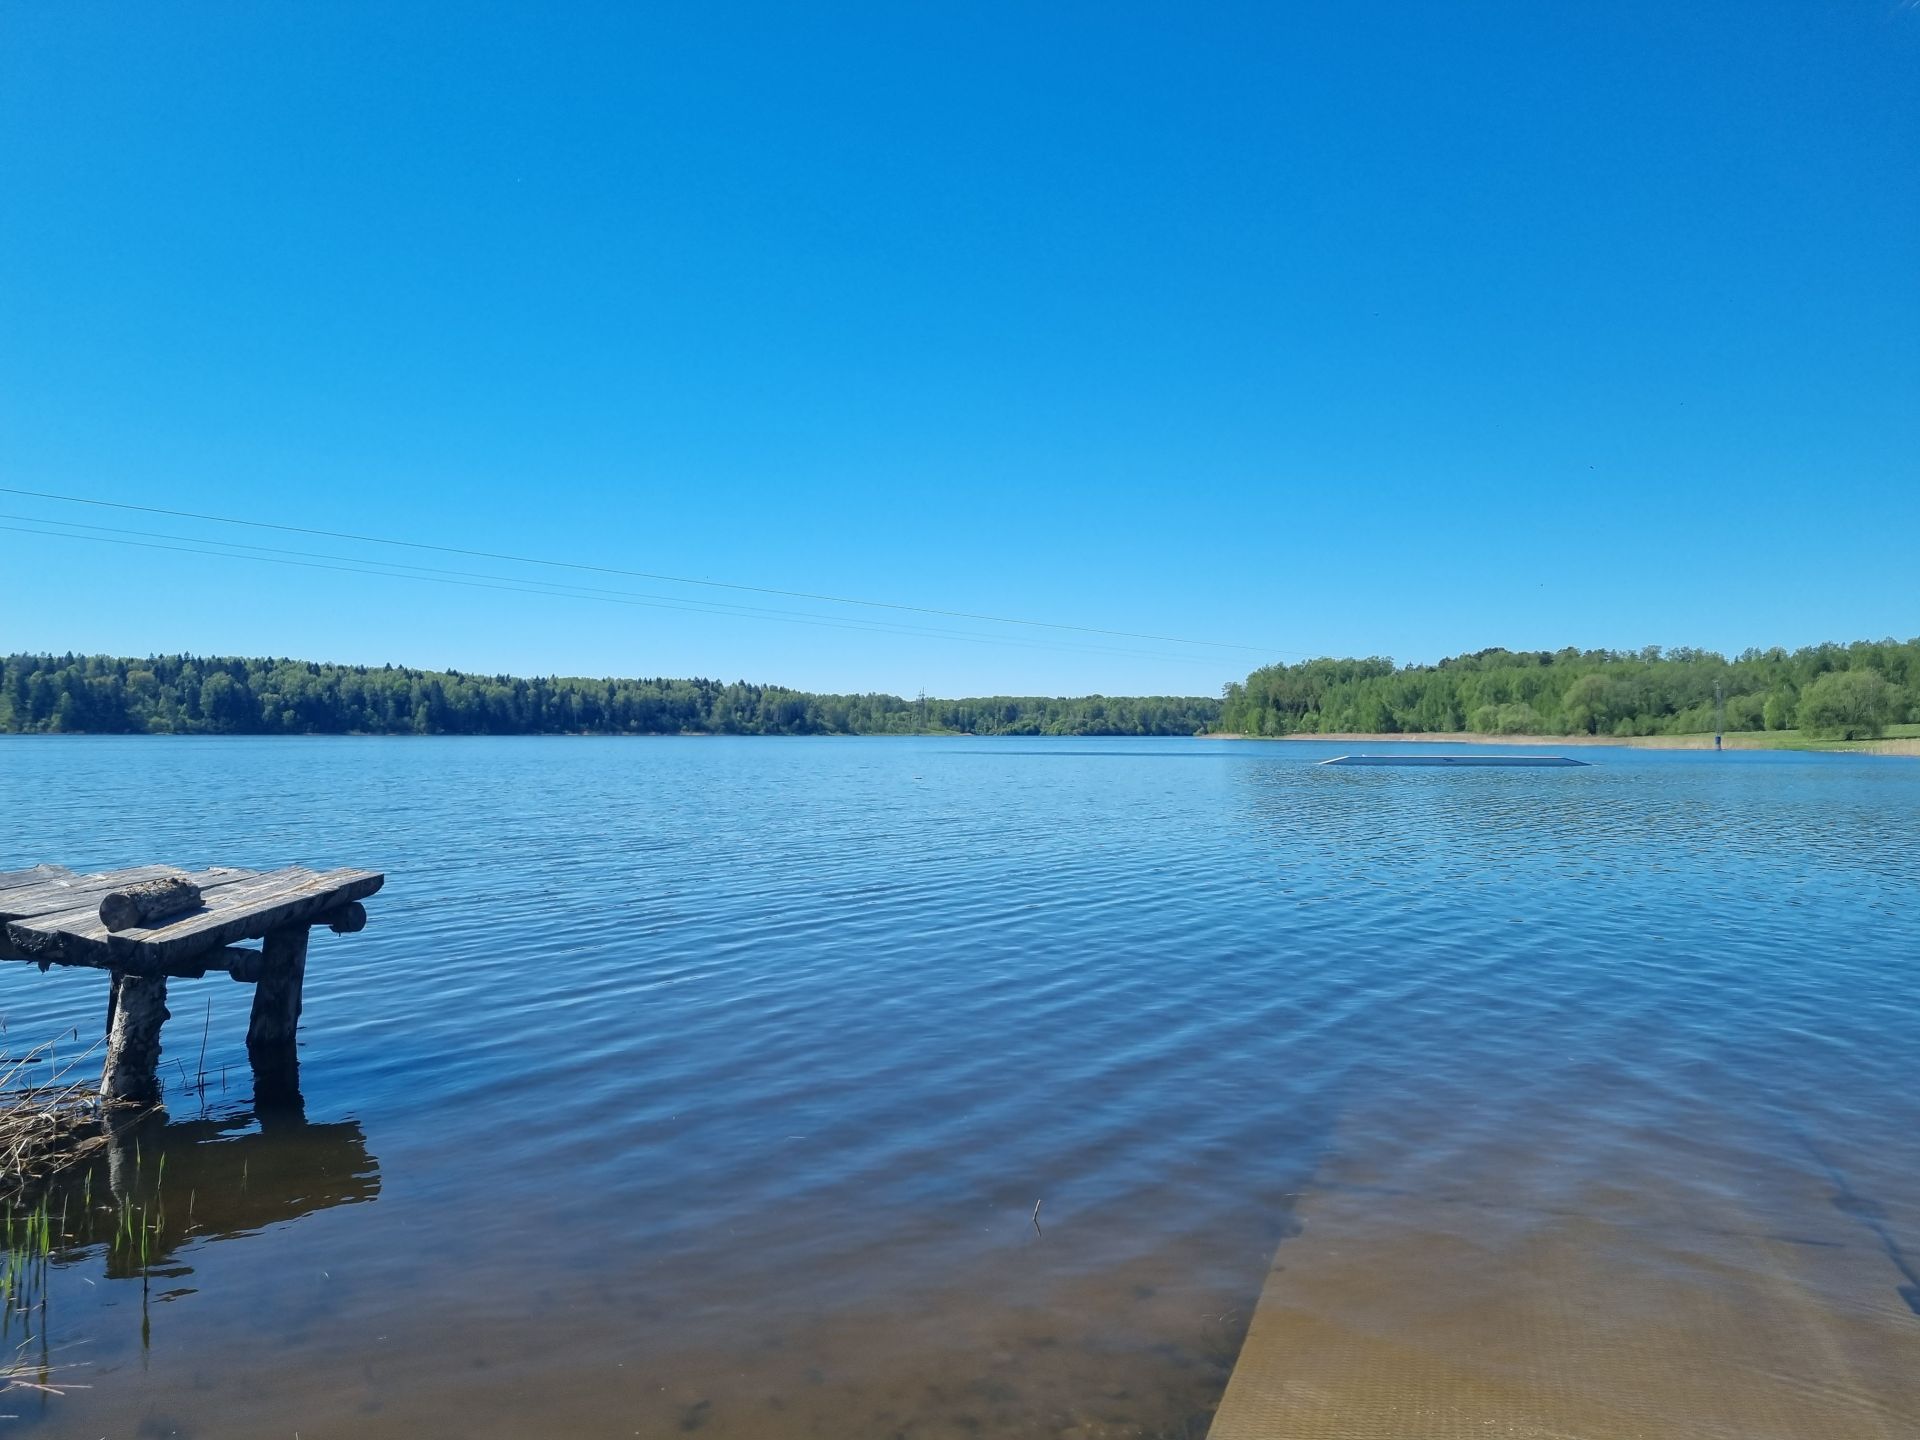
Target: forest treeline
188,695
1849,691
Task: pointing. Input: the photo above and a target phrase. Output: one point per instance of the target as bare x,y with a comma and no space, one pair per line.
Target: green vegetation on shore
1825,694
187,695
1840,692
1802,740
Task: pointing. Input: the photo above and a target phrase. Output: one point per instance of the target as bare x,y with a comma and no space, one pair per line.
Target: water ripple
750,1059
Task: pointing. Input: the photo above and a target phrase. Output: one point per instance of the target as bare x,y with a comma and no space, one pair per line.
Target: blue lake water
710,1085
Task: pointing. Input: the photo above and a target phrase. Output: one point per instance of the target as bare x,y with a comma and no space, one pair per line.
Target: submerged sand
1675,1300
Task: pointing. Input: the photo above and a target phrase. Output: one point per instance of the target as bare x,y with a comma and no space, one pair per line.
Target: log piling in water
153,922
132,1071
275,1021
148,901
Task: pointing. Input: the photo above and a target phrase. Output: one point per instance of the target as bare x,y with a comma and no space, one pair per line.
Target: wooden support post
132,1073
276,1015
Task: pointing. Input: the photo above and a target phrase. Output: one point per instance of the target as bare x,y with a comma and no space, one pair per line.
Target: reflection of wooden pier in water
239,1173
187,924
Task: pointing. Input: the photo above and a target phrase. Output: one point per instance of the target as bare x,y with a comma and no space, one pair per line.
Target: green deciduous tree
1848,704
181,693
1651,691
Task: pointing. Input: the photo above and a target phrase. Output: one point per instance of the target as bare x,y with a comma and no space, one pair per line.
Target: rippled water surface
710,1085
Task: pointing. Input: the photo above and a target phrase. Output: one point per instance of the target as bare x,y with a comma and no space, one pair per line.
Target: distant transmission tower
923,710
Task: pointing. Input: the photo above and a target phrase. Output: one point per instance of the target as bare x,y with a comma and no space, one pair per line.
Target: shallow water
710,1085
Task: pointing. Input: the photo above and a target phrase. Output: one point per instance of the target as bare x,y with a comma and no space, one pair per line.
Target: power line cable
356,565
553,590
398,570
635,574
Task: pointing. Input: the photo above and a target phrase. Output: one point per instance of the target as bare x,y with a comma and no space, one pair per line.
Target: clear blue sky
1390,329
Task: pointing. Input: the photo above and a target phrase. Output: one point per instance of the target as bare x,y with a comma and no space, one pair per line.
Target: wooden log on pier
48,888
147,902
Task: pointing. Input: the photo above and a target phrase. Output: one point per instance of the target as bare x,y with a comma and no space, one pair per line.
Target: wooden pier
154,923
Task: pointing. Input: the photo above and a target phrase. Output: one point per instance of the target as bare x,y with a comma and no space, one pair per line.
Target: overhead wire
583,566
551,589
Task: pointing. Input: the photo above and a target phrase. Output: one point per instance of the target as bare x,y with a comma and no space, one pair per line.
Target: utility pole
923,712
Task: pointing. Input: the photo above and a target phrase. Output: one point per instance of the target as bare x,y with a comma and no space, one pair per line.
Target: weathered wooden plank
250,910
246,910
233,960
254,916
58,880
48,896
150,900
80,890
37,875
73,935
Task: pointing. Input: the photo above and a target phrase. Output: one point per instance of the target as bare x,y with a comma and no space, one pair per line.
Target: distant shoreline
1906,746
1765,740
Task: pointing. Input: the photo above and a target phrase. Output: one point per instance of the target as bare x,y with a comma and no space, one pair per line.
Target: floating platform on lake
153,923
1532,761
